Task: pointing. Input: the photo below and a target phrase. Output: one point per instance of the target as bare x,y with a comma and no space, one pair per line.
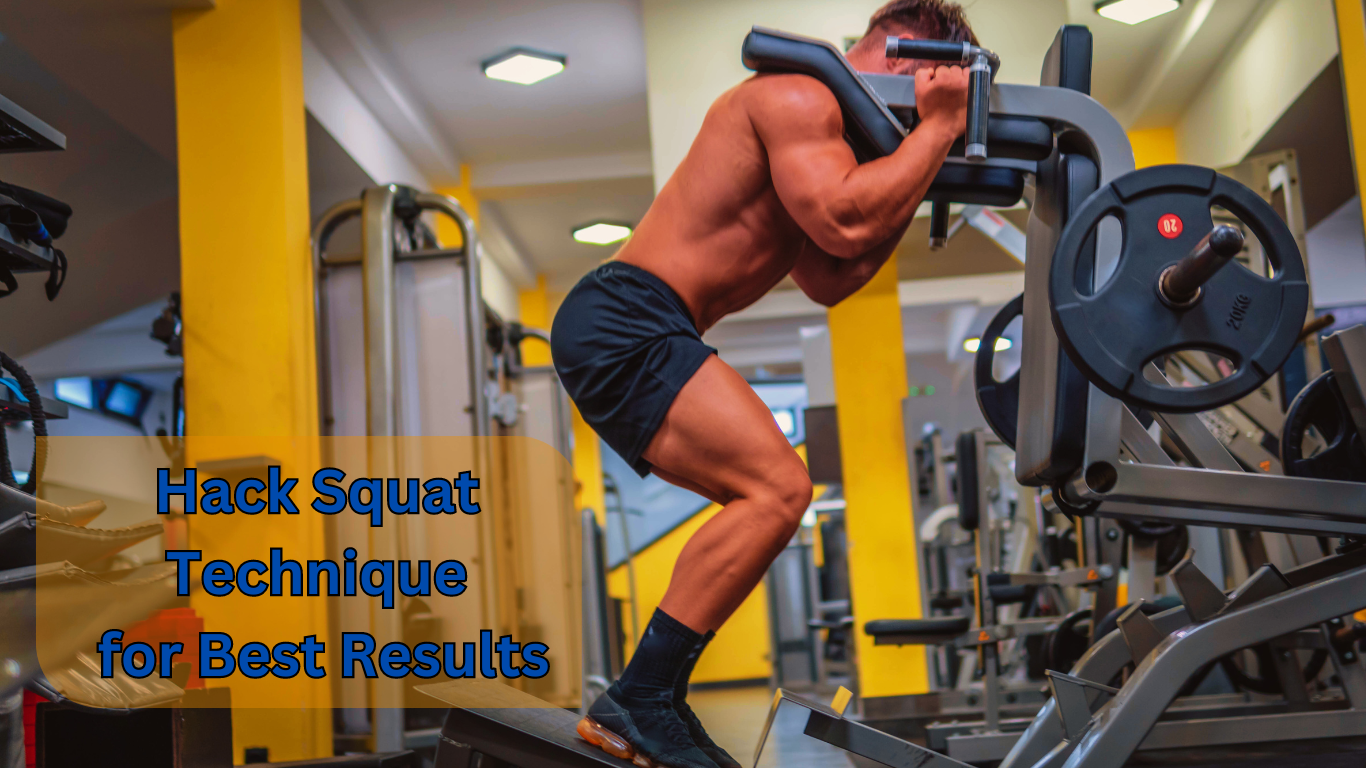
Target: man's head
920,19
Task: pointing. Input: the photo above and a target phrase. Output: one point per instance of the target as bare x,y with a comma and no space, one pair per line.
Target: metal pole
474,300
381,422
322,233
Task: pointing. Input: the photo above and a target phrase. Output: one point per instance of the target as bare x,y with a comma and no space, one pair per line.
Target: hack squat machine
1140,316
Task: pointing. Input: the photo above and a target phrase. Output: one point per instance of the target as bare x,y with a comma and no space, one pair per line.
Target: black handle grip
939,224
979,110
929,50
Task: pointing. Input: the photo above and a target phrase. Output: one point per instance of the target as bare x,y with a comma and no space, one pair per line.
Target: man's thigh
719,435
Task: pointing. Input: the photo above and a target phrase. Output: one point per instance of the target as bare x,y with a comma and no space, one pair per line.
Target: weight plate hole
1189,369
1006,360
1108,239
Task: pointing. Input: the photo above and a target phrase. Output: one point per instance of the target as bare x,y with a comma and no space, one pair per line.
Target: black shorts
624,344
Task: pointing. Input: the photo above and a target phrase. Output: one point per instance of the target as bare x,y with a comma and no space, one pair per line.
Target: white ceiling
542,158
596,106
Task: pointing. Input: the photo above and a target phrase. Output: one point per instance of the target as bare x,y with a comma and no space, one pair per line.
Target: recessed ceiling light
973,344
601,233
1135,11
523,66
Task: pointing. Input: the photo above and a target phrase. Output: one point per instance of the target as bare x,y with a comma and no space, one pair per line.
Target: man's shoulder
789,96
786,90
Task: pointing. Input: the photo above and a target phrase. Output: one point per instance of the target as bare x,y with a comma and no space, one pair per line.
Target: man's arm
828,280
845,208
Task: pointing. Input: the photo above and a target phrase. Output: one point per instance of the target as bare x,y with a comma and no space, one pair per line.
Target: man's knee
789,489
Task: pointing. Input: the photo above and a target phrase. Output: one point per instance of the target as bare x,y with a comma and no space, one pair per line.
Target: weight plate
1320,405
999,400
1113,333
1148,529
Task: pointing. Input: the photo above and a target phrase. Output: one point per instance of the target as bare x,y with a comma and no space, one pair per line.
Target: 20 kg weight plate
1113,332
1320,405
999,400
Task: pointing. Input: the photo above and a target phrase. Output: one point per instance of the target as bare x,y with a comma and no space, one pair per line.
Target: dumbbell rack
20,131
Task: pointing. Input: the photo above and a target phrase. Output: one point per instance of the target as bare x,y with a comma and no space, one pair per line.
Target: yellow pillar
535,305
447,231
1351,19
1153,146
588,491
870,383
247,289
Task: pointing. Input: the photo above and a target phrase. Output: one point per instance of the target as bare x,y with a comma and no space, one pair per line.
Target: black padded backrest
1068,61
873,131
1070,178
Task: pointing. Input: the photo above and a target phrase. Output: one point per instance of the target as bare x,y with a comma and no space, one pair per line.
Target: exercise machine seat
932,631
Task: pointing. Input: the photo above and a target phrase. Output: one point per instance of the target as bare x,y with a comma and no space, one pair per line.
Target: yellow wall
1154,146
1351,25
498,291
535,303
247,288
866,349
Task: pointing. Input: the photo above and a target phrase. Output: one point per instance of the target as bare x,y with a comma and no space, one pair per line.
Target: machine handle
979,110
928,50
982,64
939,224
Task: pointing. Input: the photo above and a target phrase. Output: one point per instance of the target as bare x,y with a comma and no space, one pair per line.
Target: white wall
1337,257
1286,45
365,139
692,50
500,292
351,123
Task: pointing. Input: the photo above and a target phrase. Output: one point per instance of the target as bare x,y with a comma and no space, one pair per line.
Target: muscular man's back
718,232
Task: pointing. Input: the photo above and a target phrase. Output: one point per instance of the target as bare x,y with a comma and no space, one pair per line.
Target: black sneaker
645,731
701,739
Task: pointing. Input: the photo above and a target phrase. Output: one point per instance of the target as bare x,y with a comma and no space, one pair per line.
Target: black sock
662,653
681,684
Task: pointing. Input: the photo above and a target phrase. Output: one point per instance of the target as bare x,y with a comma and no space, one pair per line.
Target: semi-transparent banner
304,572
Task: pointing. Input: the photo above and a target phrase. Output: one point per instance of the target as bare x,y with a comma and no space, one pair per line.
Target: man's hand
941,98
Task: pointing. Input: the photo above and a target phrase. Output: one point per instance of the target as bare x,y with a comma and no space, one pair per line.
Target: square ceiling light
523,66
1135,11
601,233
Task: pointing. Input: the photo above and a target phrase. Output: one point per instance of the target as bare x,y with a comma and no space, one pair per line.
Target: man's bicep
802,131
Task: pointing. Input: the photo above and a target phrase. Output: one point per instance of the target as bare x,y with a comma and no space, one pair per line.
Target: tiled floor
735,717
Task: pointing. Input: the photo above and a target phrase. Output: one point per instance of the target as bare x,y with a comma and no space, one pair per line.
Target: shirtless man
768,189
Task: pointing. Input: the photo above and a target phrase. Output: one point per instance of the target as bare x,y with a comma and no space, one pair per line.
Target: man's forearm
880,196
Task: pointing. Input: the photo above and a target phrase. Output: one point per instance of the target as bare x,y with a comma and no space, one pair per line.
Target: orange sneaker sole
611,743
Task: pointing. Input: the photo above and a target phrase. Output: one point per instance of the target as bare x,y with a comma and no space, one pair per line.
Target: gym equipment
407,346
29,220
1018,596
1321,408
1099,461
1170,290
999,400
